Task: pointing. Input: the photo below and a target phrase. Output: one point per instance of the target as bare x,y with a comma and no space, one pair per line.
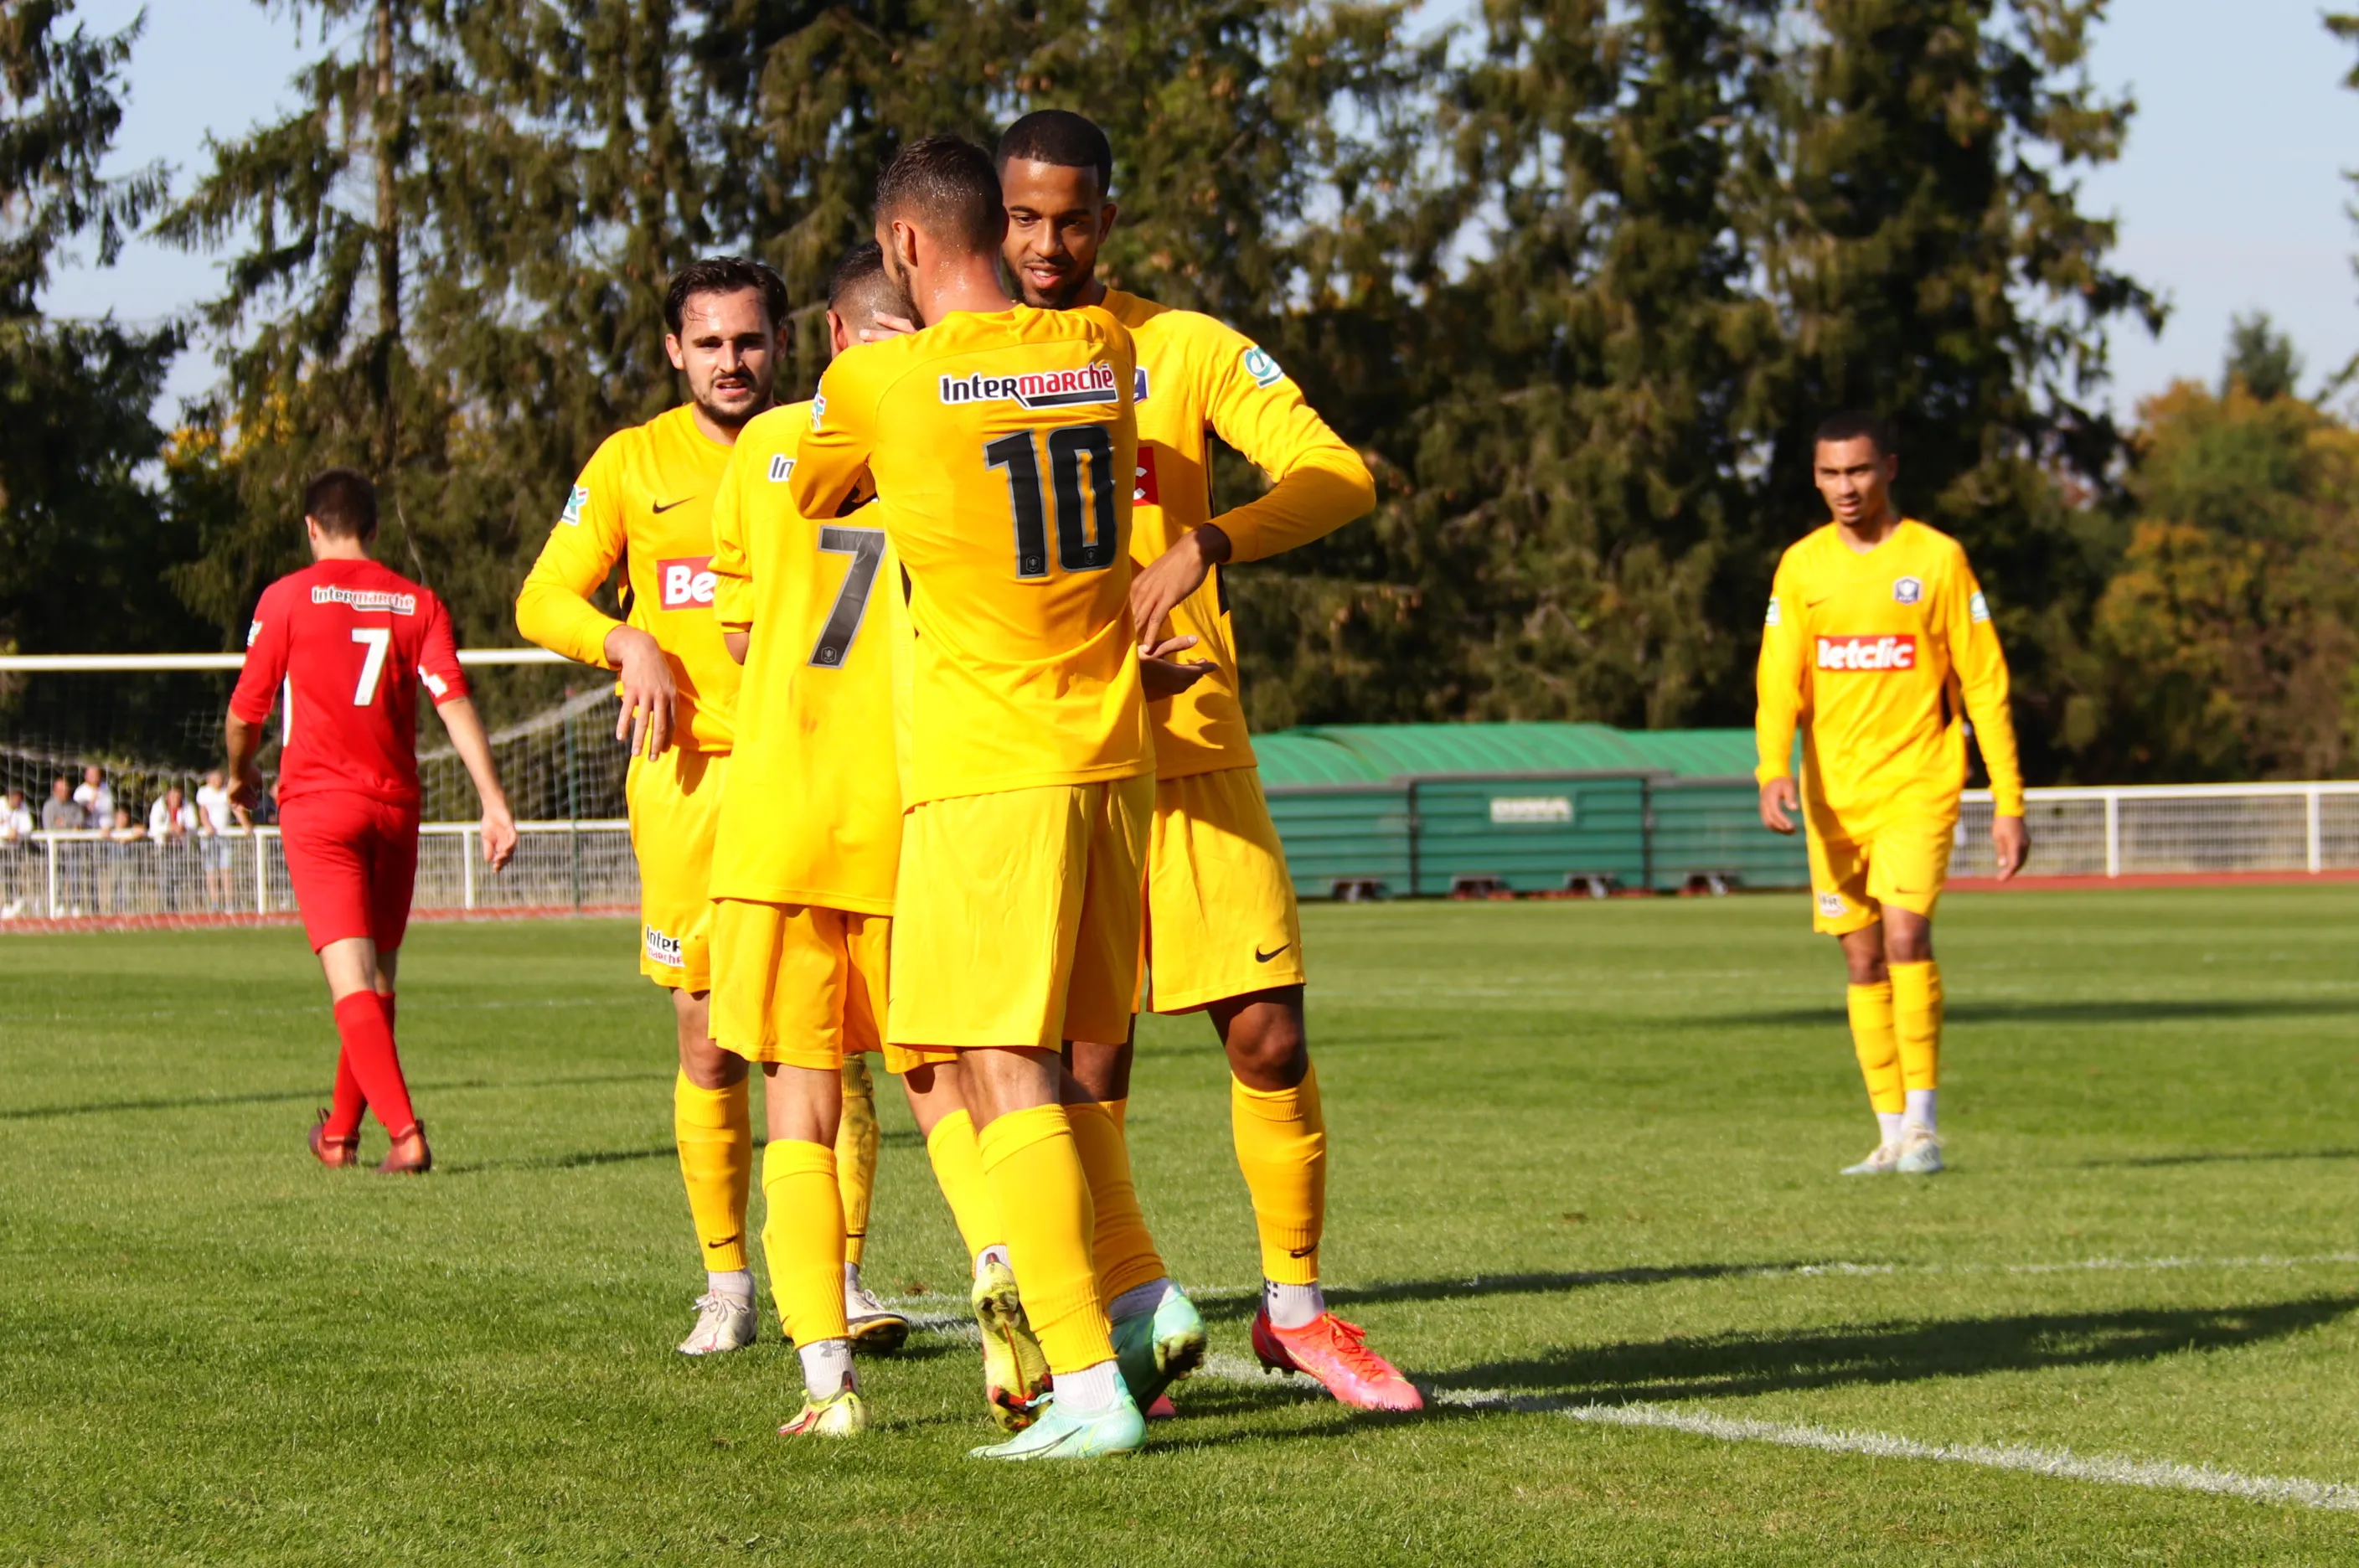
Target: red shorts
353,859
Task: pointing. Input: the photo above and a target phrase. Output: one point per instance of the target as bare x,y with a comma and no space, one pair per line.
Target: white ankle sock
737,1283
827,1367
1920,1108
852,1275
1292,1306
1890,1121
1091,1389
995,1253
1138,1298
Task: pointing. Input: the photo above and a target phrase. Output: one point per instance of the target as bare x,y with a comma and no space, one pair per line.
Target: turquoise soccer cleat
1157,1348
1059,1433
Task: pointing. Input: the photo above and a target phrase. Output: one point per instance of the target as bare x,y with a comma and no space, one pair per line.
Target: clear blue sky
2231,196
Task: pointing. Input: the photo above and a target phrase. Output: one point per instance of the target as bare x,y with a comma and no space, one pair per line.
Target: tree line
1579,276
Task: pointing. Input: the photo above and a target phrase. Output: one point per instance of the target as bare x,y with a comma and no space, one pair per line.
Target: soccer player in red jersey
348,642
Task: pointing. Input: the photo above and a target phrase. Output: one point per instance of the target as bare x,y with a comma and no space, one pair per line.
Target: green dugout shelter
1427,809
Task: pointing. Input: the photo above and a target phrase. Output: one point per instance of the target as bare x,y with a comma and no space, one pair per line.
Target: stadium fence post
2315,843
1646,833
2113,832
466,866
50,841
261,876
573,804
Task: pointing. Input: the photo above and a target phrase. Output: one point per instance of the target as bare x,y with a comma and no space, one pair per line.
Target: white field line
2059,1463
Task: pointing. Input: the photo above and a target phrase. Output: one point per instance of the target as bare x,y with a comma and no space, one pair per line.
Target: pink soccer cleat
1336,1353
1162,1409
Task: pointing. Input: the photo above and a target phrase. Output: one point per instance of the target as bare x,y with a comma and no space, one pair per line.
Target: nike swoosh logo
668,505
1261,957
1299,1251
1806,604
717,1246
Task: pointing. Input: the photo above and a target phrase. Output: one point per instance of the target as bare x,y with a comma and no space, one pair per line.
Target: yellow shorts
1220,916
1018,916
674,804
803,985
1902,858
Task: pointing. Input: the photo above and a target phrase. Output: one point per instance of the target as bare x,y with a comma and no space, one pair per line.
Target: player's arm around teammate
364,638
644,502
1876,635
1223,932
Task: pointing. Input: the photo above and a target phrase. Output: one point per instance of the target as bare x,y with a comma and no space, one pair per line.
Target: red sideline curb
289,918
2149,879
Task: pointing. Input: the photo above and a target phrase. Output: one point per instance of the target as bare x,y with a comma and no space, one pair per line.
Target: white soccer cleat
1920,1153
1881,1160
722,1322
876,1328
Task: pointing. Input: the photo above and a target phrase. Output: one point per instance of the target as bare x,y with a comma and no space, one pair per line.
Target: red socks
372,1064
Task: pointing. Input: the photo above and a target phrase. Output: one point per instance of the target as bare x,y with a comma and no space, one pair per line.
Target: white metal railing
117,663
64,876
2158,829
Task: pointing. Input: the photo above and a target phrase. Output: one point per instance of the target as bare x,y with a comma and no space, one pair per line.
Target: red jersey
348,641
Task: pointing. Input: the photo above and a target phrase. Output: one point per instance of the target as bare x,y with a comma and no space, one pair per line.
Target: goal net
113,812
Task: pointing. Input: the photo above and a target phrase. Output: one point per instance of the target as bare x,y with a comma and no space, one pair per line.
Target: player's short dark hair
1854,424
1061,138
724,274
861,265
342,502
951,185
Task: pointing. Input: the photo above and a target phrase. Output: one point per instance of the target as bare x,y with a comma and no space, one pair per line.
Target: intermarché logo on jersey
1036,388
1875,654
685,583
367,599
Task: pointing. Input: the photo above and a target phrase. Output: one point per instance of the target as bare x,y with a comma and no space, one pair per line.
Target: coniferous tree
82,548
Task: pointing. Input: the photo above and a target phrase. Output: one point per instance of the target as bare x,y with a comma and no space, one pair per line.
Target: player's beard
736,419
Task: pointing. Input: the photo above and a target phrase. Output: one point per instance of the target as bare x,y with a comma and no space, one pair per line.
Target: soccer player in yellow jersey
1223,932
1000,439
804,863
644,502
1880,643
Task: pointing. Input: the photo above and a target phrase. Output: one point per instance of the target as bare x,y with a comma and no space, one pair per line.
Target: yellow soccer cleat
1015,1373
841,1414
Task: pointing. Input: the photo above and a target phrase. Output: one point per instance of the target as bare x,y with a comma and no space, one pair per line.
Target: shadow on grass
1242,1307
574,1162
282,1096
1740,1365
2121,1010
2225,1157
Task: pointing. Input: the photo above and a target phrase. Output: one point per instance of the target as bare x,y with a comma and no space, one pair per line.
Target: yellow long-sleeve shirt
1197,376
1882,657
812,811
645,500
998,443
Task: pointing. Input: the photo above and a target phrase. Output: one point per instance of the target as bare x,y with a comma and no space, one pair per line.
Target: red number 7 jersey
347,642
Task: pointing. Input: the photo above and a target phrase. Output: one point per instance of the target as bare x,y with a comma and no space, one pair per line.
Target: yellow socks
1281,1141
1121,1246
1917,1018
1879,1052
856,1137
1044,1197
714,1128
803,1237
958,1171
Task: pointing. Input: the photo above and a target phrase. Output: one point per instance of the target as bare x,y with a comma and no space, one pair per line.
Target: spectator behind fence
219,851
123,861
63,814
95,798
16,856
174,824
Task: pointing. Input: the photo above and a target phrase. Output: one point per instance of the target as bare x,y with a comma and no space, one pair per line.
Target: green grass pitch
1584,1161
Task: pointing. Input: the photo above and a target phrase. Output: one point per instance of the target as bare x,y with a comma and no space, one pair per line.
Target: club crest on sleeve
574,504
1908,589
819,409
1138,385
1771,619
1978,607
1262,368
781,465
434,684
253,632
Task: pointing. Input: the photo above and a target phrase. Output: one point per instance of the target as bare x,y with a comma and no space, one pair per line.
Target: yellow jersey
645,500
1884,655
1001,445
1197,375
810,812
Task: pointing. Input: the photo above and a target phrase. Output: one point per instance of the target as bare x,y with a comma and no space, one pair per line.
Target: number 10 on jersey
1087,528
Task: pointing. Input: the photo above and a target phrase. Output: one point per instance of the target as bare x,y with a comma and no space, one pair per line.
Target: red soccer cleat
408,1156
333,1152
1335,1353
1162,1409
